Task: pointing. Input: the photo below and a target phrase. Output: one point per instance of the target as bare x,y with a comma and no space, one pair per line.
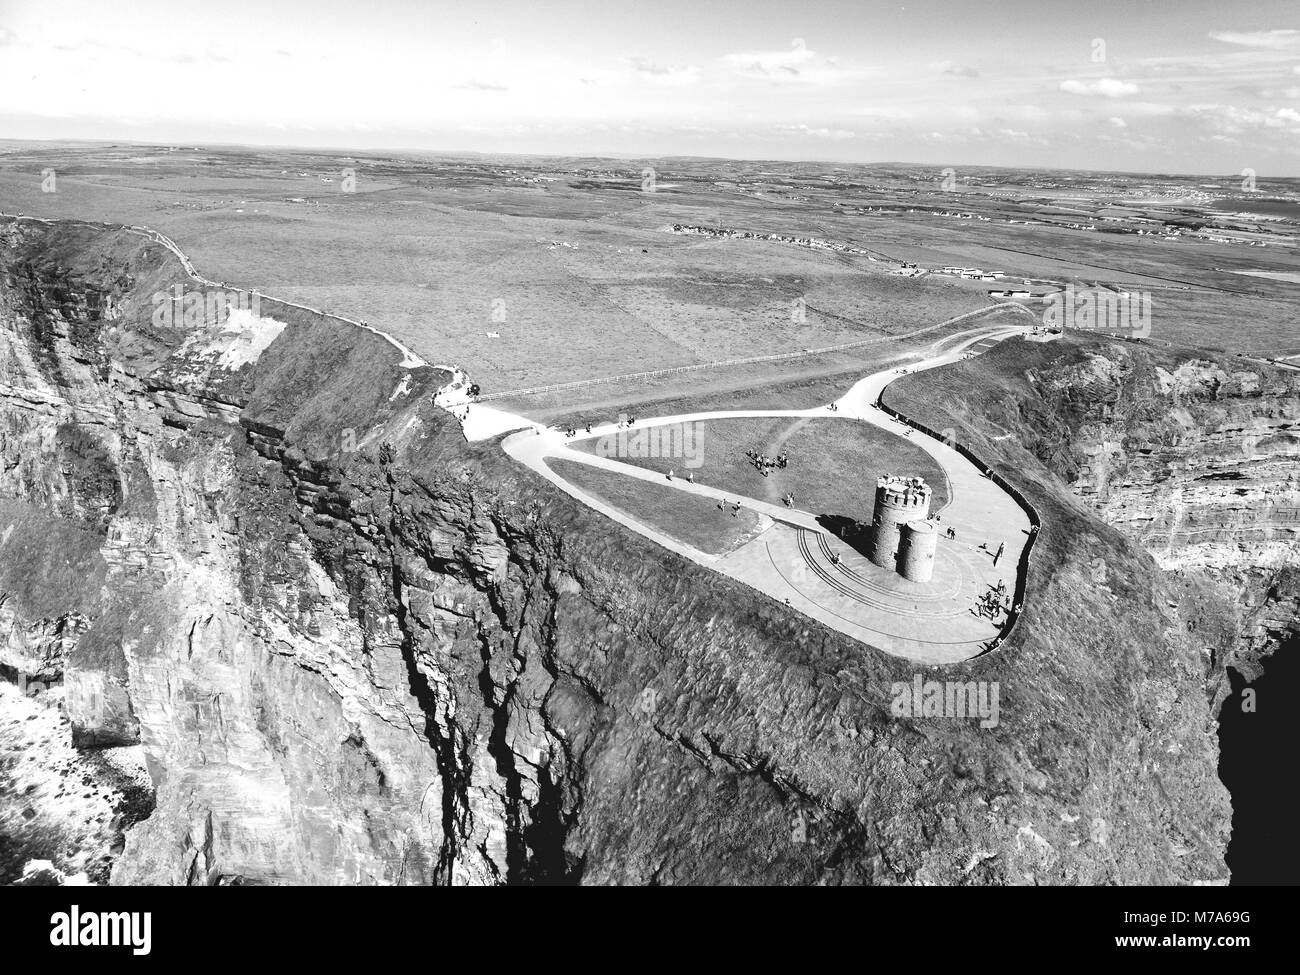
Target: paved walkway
792,558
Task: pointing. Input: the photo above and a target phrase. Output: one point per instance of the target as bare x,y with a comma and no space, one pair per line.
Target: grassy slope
693,520
794,384
833,462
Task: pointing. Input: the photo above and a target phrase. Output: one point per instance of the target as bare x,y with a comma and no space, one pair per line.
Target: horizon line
397,150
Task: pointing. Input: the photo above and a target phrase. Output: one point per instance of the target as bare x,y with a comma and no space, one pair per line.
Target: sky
1180,86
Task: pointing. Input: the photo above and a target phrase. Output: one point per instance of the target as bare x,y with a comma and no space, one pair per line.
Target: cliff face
357,649
1196,458
1199,461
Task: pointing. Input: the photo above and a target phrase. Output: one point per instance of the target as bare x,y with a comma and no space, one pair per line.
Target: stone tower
916,557
899,500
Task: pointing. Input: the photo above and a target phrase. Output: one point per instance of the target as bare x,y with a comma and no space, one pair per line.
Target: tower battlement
903,492
899,500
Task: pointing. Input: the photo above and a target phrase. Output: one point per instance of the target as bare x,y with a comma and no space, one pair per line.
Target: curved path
797,560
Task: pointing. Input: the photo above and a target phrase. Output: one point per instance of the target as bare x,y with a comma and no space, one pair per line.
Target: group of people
733,505
994,601
789,500
765,464
571,432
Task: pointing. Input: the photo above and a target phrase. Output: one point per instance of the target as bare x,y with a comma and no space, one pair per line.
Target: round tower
916,559
898,501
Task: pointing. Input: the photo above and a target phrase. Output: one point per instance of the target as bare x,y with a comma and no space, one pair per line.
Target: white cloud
818,133
1118,122
1106,87
667,75
798,64
955,69
1274,39
770,63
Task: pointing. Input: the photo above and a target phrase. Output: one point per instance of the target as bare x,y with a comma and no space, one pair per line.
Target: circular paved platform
932,621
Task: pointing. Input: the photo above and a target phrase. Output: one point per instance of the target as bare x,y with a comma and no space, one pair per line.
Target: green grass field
833,463
687,518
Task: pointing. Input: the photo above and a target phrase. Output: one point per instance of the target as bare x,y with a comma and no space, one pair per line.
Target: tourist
670,473
690,477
